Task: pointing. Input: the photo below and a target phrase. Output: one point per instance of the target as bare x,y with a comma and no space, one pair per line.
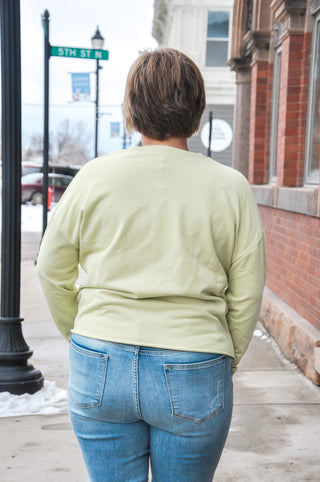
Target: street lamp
16,374
97,42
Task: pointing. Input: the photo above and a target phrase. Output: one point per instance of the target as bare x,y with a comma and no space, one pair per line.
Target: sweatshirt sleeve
247,272
244,296
58,260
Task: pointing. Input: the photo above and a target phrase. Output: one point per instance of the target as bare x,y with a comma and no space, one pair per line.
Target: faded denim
129,404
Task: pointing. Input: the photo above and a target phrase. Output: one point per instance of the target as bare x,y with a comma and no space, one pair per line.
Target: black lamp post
97,42
16,375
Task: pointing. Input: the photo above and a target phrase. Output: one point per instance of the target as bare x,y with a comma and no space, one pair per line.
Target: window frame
219,39
310,178
275,113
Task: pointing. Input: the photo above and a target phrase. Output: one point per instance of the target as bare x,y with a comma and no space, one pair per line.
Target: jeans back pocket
196,390
87,376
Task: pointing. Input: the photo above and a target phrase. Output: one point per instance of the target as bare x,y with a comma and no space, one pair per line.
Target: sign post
69,52
45,183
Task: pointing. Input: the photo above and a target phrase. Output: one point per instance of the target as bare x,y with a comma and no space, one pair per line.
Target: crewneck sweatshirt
172,247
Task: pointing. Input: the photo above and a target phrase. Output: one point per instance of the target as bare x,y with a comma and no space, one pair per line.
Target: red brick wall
293,110
293,254
257,173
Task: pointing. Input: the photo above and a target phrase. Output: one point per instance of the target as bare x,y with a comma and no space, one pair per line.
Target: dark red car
31,186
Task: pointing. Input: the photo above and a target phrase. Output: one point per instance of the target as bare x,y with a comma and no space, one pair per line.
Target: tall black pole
16,375
124,139
97,110
210,134
45,184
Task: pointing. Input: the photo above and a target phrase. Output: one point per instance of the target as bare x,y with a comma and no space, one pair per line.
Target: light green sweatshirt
173,248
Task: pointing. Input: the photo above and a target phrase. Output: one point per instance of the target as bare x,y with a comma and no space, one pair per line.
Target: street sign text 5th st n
73,52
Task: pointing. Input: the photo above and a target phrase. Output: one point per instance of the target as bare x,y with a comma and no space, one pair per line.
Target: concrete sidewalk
275,430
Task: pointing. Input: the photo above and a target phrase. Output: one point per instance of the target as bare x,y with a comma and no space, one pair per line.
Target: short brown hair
164,95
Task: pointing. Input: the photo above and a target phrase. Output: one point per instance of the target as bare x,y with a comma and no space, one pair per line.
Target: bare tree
68,145
71,143
34,150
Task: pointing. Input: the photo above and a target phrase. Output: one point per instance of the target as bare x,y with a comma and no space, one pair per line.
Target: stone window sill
303,200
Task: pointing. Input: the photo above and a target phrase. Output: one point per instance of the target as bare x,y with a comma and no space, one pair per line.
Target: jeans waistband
96,344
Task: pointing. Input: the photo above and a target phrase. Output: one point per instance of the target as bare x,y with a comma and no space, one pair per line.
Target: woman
173,248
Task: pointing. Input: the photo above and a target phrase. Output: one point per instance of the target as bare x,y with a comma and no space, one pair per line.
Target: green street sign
77,53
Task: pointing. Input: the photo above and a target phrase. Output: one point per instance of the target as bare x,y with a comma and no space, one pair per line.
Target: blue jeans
129,404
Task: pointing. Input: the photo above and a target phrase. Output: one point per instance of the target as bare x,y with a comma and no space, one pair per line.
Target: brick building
275,53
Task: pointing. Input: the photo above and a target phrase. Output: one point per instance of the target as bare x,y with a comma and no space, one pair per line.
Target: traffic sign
73,52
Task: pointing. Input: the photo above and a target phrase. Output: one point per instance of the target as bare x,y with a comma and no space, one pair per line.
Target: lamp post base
16,375
19,379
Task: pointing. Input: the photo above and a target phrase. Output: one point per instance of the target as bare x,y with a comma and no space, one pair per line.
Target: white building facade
202,30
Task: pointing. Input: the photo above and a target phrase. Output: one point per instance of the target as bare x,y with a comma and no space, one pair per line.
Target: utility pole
16,375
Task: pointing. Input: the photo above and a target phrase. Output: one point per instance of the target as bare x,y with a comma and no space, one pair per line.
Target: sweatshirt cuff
234,368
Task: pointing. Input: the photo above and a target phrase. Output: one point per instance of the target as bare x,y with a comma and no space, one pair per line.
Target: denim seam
196,365
223,384
136,381
121,346
162,352
144,350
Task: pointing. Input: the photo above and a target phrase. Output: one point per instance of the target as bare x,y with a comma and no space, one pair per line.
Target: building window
313,127
275,114
249,15
217,39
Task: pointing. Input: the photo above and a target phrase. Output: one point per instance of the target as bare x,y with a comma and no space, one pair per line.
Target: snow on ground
31,217
261,334
49,400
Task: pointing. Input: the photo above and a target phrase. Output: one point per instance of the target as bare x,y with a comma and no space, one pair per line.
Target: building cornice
283,8
291,14
240,65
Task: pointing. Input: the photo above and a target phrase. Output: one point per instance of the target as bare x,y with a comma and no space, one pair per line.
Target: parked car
66,170
31,186
29,168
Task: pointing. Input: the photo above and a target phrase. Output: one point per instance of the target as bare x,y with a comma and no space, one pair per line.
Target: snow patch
47,401
235,429
31,217
260,334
